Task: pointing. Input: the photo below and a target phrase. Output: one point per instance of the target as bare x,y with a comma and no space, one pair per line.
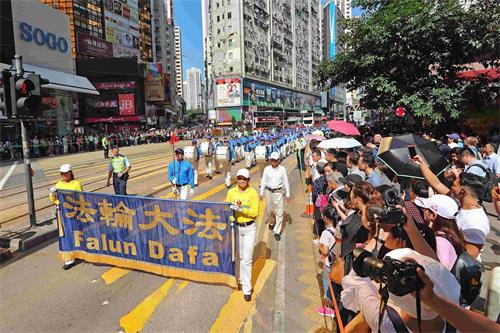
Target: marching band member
181,175
196,160
274,187
208,151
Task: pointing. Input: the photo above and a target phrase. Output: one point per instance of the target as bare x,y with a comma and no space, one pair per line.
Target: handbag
337,270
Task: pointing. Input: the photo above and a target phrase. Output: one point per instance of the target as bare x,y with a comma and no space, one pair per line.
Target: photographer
398,273
471,219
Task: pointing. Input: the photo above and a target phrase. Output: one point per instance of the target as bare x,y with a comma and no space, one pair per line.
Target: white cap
65,168
244,173
275,156
441,205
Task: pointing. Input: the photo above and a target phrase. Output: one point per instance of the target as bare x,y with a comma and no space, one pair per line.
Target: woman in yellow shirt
67,182
244,201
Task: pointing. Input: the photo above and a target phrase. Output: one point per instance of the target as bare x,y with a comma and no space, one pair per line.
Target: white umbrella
339,143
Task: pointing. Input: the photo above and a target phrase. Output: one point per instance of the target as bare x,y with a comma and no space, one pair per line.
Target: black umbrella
394,153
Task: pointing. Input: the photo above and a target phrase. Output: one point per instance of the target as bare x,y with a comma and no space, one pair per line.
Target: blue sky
187,15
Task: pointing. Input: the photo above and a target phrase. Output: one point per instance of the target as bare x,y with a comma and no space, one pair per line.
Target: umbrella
339,143
394,153
343,127
310,137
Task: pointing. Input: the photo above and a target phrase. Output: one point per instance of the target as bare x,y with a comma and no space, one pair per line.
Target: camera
400,277
390,214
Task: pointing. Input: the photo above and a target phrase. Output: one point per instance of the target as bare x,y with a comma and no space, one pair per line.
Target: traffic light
5,95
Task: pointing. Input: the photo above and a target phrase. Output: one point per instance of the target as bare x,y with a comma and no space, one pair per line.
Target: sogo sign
29,33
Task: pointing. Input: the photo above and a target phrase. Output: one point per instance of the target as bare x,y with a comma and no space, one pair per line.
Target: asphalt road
38,296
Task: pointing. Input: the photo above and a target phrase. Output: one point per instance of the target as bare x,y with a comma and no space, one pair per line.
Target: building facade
331,32
193,89
262,57
178,61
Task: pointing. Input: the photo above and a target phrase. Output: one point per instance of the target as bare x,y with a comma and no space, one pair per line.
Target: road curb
29,238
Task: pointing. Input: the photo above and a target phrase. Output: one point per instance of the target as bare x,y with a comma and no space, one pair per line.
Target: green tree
411,53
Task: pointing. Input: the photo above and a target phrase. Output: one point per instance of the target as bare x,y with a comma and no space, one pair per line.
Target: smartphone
412,150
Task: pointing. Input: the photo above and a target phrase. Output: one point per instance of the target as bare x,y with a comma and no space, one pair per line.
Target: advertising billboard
122,27
228,92
225,116
126,104
153,83
94,46
333,30
42,35
264,95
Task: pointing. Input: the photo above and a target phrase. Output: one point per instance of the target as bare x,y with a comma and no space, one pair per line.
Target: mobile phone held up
412,150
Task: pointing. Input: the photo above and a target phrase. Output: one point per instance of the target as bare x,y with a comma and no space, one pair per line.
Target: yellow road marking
236,310
114,274
181,286
135,320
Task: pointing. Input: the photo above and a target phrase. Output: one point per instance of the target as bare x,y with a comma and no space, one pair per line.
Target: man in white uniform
274,187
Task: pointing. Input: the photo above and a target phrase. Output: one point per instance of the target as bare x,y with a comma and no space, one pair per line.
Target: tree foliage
409,52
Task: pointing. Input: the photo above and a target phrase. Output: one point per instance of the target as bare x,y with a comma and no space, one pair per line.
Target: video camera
399,277
390,214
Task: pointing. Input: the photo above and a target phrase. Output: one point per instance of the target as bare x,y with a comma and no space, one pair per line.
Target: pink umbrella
310,137
343,127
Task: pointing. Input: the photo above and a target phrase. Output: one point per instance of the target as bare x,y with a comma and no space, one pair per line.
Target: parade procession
238,166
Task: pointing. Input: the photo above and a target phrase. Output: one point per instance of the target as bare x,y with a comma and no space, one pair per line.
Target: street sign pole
26,151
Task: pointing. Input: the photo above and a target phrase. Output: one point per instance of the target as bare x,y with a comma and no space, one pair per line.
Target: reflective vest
118,163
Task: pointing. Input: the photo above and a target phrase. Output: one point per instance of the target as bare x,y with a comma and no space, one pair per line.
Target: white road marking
7,175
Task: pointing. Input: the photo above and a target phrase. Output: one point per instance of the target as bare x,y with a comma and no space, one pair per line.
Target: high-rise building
178,60
193,91
262,57
345,7
331,31
164,40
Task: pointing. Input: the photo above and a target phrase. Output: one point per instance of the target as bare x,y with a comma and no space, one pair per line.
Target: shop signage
28,33
228,92
153,83
42,35
91,45
126,104
106,104
114,85
113,119
267,119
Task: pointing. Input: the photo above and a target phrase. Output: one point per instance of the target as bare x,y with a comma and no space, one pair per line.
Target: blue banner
185,239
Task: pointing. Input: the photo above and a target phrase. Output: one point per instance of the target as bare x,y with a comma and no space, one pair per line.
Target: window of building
230,42
222,15
230,55
218,31
229,15
218,18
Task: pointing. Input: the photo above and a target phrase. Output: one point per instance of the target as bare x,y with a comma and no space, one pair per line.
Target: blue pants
120,184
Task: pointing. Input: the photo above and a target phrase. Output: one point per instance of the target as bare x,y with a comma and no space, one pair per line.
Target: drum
260,154
205,148
191,153
222,154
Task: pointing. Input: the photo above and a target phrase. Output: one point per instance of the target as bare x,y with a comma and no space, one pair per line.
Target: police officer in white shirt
274,187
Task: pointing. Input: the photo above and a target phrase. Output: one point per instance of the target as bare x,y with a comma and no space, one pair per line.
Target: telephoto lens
400,277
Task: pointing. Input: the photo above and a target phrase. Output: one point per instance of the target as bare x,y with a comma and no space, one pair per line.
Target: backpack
490,180
468,271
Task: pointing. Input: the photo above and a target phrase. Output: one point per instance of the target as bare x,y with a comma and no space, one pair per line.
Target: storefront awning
63,81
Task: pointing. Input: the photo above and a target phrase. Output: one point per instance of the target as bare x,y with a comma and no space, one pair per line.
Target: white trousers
248,159
209,165
196,165
246,246
227,170
183,192
275,202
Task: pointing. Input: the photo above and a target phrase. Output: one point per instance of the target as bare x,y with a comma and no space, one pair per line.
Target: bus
312,118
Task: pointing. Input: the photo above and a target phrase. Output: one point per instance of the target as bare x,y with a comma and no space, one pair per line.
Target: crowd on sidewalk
77,143
372,225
